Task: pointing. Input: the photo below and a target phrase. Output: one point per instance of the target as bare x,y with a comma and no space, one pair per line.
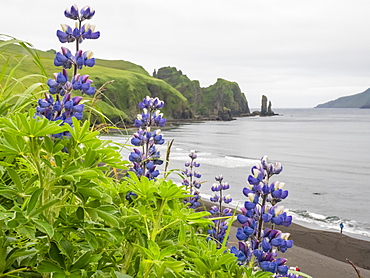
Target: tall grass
18,90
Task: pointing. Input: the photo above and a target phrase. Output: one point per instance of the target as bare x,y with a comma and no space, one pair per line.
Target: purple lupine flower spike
260,209
148,159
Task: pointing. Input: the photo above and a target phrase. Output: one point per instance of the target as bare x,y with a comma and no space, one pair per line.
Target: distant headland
360,100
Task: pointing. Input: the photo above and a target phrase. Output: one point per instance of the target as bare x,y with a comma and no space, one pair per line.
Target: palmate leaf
81,134
26,125
12,145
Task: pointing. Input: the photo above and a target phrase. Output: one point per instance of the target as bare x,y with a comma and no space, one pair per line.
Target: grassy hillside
121,97
353,101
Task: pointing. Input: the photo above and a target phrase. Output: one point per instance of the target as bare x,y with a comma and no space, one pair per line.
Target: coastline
319,253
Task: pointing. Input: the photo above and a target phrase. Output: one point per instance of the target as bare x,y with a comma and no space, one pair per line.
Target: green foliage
54,195
64,212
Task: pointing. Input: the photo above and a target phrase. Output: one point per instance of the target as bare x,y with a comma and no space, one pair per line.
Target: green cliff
222,100
361,100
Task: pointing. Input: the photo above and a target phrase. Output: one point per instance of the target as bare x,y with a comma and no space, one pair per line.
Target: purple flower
84,59
66,34
193,155
261,208
83,83
216,187
64,58
60,84
150,157
88,32
87,13
214,198
72,12
219,178
227,199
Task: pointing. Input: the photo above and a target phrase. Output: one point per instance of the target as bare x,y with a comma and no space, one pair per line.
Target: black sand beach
322,254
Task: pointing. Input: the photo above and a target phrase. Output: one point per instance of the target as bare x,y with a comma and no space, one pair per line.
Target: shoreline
321,253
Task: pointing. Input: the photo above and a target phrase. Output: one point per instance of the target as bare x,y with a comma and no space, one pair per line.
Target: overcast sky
299,53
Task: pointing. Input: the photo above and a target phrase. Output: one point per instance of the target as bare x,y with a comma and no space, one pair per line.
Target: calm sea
325,154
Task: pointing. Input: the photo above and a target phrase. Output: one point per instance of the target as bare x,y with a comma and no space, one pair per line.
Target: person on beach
341,227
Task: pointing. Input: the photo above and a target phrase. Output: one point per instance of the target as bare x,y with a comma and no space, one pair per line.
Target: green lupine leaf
92,212
168,251
116,274
175,266
108,218
87,174
48,267
80,213
16,179
18,253
44,227
44,207
48,144
90,158
81,262
56,255
8,192
90,192
66,248
31,181
34,199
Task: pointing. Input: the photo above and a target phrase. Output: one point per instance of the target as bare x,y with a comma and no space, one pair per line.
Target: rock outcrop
222,100
266,110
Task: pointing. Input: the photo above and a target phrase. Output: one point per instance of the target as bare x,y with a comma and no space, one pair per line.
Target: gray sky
299,53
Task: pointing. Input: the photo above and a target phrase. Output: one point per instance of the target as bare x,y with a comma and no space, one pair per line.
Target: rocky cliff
222,100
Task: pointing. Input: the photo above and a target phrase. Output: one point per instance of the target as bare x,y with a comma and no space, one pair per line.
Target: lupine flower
84,59
66,34
194,200
83,83
218,231
214,198
60,84
190,174
87,13
70,107
72,12
145,162
86,31
64,58
259,209
243,253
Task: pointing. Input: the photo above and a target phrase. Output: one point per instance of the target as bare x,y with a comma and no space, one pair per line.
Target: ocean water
325,154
